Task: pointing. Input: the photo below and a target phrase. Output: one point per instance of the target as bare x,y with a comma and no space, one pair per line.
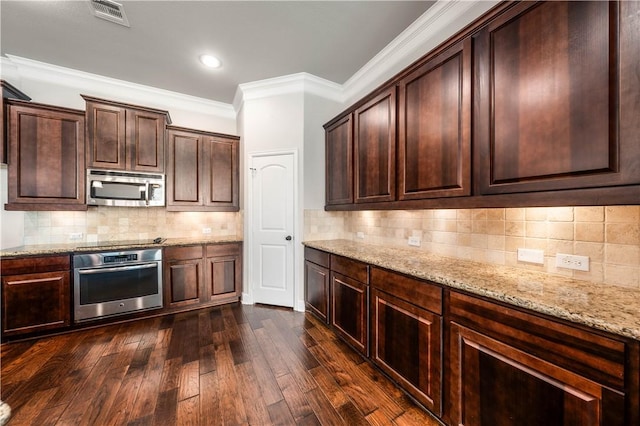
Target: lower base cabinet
406,338
35,294
316,283
197,275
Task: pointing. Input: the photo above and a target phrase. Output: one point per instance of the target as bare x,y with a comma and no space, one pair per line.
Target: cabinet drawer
183,253
316,256
35,264
223,249
351,268
591,355
420,293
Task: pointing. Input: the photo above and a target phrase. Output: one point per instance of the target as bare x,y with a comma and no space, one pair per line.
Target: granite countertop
83,247
608,308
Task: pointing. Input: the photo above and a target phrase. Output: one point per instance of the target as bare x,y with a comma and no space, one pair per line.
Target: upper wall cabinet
125,137
375,148
434,127
8,92
339,161
202,171
557,97
46,157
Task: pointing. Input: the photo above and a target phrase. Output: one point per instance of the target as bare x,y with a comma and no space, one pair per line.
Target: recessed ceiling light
210,61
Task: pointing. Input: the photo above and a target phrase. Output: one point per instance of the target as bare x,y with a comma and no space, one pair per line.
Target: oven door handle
116,269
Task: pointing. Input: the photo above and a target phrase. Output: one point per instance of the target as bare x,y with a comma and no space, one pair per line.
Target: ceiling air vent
109,10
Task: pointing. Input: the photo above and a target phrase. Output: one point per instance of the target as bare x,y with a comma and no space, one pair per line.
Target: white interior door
272,226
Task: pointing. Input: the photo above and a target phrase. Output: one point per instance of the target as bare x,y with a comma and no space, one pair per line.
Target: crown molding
293,83
125,91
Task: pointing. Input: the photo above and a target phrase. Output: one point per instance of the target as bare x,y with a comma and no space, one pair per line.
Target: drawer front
420,293
316,256
232,249
35,264
588,354
183,253
351,268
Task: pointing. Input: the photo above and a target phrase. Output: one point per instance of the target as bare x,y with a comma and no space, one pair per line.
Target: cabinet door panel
35,302
146,145
434,130
183,178
406,345
183,280
339,162
316,285
224,273
549,102
349,311
375,149
221,173
106,130
495,384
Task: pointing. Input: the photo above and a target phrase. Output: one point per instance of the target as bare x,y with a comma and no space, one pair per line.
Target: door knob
288,238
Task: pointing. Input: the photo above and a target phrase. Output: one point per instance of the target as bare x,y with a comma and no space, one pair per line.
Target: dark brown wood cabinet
406,334
46,157
374,144
349,311
339,161
202,171
36,294
557,109
434,127
8,92
509,367
196,276
125,137
316,283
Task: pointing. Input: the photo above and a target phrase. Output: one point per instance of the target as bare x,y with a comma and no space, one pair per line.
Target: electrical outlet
531,256
571,261
360,235
75,236
414,241
206,230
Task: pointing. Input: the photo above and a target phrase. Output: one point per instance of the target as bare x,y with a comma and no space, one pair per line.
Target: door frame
249,274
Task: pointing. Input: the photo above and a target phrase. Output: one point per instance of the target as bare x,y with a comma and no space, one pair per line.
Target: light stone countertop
608,308
84,247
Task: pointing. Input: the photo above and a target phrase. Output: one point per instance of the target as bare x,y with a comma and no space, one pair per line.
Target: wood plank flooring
230,365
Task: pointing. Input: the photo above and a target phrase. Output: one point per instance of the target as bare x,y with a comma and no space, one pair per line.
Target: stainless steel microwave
125,189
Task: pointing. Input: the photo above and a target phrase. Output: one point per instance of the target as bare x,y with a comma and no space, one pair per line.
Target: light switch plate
531,256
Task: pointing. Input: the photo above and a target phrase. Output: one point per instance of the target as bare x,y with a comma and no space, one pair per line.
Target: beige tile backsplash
116,223
610,236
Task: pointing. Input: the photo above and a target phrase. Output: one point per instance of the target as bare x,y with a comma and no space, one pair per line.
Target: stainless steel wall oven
116,283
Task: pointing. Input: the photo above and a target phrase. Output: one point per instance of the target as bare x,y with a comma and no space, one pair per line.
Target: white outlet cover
360,235
572,261
206,230
414,241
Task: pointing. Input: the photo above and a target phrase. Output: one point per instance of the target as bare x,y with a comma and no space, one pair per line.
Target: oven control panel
120,258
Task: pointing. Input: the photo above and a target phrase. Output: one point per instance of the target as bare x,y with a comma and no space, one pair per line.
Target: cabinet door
316,290
145,145
434,129
339,161
8,92
35,302
220,174
224,273
107,136
553,108
183,174
182,283
349,312
375,149
406,345
46,166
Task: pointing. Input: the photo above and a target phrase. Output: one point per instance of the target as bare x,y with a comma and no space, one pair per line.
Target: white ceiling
255,40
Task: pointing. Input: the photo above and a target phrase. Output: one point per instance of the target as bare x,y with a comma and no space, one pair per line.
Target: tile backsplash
121,223
610,235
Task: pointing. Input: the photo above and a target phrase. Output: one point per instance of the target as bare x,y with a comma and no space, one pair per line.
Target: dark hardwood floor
231,365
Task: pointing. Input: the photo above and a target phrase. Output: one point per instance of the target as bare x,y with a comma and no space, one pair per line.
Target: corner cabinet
202,171
434,127
406,334
557,109
125,137
46,157
36,294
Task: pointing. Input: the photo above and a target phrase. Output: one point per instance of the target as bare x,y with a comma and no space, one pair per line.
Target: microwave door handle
116,269
146,193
